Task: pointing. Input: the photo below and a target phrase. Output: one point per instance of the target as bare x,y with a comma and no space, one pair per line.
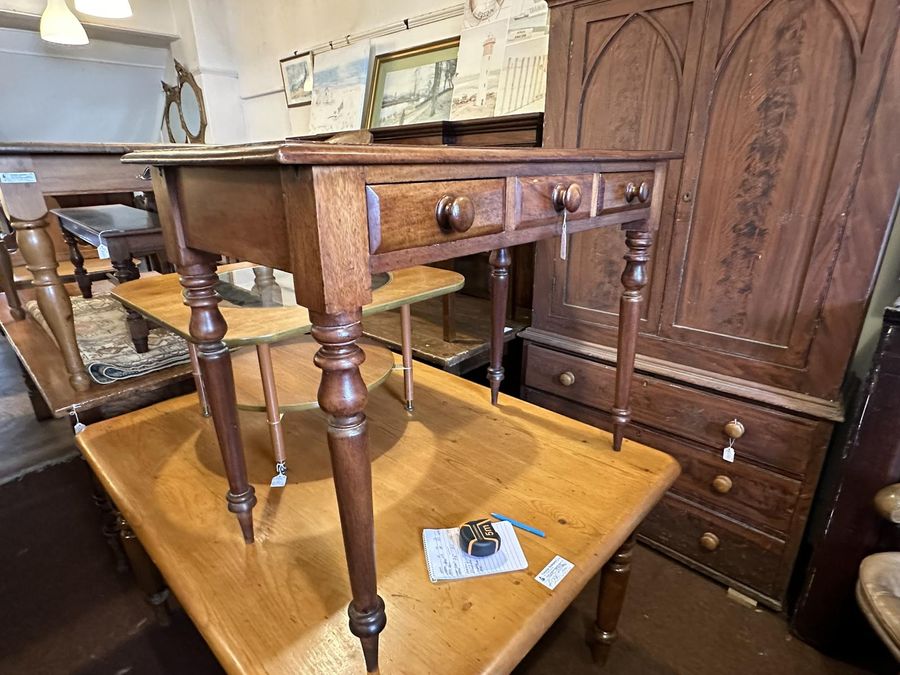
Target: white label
279,480
20,177
79,427
103,252
555,571
728,454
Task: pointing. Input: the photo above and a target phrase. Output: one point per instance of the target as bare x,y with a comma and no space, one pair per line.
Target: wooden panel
433,469
60,174
743,552
402,215
642,55
773,438
249,202
534,204
760,245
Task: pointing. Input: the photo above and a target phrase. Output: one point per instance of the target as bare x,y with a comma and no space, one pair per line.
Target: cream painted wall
269,30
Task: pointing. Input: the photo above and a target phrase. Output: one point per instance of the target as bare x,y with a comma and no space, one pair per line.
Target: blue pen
521,526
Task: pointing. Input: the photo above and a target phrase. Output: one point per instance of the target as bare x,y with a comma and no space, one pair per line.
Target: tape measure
479,538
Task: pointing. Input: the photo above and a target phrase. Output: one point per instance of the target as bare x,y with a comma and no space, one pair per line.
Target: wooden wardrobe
773,225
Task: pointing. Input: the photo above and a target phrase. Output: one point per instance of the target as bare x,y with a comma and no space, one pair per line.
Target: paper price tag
555,571
78,427
728,454
278,480
18,177
103,252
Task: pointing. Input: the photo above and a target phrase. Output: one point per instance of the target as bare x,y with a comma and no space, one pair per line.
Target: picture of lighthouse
477,80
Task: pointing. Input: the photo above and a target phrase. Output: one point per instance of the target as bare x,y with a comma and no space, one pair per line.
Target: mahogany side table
335,214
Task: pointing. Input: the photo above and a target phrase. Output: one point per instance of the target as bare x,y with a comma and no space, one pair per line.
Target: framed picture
297,75
339,92
413,85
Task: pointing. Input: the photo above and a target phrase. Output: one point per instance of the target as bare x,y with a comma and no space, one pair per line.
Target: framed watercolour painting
297,75
413,85
339,90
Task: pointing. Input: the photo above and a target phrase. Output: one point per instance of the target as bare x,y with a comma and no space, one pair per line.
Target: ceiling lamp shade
59,25
108,9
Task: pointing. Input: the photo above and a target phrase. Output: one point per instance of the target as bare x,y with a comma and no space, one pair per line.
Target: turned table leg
138,328
8,283
634,278
77,260
146,574
406,353
448,316
342,396
273,412
613,584
208,327
53,301
500,261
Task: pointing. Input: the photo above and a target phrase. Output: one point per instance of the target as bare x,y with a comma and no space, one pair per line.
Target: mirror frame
173,95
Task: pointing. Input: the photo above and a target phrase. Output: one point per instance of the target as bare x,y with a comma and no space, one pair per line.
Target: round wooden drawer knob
640,192
722,484
887,502
567,379
734,429
454,213
709,541
568,198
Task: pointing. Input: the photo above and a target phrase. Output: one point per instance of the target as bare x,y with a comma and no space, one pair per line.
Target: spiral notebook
447,562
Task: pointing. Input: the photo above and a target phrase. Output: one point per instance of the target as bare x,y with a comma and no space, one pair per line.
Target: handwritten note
555,571
447,562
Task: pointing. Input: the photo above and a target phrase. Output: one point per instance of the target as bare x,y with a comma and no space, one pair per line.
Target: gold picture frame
418,83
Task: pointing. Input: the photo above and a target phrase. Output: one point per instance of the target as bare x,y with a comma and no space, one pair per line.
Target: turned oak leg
146,574
110,521
613,584
208,327
138,328
198,379
342,396
266,287
8,284
634,278
77,260
500,261
40,259
273,412
406,353
39,406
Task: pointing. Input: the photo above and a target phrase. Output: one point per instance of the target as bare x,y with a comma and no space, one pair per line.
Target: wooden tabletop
160,299
42,359
279,605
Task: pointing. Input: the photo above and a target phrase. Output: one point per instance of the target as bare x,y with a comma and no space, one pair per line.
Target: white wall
266,31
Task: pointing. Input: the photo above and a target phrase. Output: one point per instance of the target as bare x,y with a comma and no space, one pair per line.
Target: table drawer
785,442
626,190
730,548
535,199
406,215
748,492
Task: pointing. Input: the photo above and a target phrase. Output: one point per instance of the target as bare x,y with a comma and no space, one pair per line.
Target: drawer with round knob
734,430
716,542
545,200
411,215
626,190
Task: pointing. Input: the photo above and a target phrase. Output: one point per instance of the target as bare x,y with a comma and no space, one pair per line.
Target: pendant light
107,9
59,25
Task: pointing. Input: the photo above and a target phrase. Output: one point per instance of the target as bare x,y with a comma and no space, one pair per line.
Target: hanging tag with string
564,237
78,427
728,451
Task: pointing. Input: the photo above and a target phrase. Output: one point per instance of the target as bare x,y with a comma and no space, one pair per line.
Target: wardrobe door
779,132
629,76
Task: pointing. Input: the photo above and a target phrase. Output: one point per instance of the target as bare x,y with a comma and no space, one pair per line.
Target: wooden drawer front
750,493
740,552
402,215
777,439
614,190
534,199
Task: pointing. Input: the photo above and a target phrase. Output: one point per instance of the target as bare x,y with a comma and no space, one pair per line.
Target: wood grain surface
296,377
279,606
160,299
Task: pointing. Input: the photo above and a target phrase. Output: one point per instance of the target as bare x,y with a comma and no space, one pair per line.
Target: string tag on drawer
79,426
728,451
564,237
